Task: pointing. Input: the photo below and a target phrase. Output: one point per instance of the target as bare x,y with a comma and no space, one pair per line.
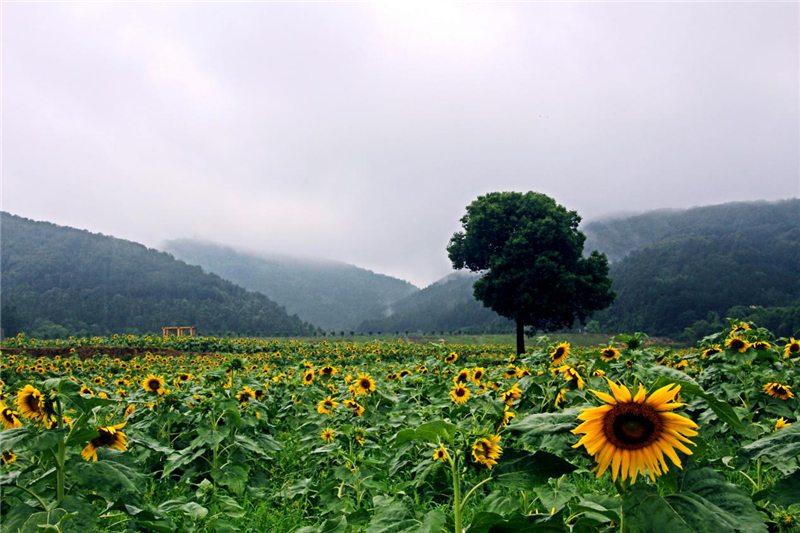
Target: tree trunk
520,337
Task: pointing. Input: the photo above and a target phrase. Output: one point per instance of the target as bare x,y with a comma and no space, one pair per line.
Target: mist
360,132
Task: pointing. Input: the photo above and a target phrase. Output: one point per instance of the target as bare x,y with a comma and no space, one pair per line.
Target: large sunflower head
8,457
365,384
609,354
737,343
246,394
459,394
154,384
327,405
308,377
634,433
487,450
462,376
560,353
31,403
8,418
477,374
451,358
792,348
779,390
109,437
708,352
571,375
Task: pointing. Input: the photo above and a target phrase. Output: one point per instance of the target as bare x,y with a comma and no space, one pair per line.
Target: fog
359,132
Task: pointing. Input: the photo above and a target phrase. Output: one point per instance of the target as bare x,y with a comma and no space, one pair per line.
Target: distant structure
183,331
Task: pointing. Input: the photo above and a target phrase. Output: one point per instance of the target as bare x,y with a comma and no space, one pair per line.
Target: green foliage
677,272
59,281
531,254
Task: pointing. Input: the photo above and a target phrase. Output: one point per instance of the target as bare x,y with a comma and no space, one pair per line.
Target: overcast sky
359,132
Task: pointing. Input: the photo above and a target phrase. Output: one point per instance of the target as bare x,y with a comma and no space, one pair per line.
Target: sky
360,131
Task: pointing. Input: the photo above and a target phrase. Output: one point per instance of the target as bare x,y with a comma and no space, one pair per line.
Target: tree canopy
530,252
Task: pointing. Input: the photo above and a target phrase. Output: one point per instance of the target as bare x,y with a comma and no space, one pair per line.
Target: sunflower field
140,433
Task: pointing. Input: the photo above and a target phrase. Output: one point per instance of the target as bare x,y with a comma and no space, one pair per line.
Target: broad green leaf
781,448
392,518
11,438
533,427
433,522
108,478
233,476
706,503
194,510
785,492
494,523
521,469
432,432
334,525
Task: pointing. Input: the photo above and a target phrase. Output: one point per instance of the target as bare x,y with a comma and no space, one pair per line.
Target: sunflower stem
60,455
759,482
456,496
472,491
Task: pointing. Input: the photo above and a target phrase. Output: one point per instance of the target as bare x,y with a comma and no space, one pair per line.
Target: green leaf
780,448
233,476
521,469
433,522
108,478
432,432
393,518
689,387
705,503
532,427
494,523
194,510
10,438
785,492
334,525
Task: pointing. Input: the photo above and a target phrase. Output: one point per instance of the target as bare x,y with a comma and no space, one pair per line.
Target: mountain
681,272
446,305
328,294
620,235
59,281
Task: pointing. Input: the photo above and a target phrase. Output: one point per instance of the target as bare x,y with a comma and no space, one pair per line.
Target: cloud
359,132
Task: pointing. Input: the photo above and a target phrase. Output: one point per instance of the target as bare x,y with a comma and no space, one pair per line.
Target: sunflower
711,351
451,358
246,394
365,384
86,390
441,454
792,348
560,353
508,416
477,374
327,435
761,345
462,377
8,418
635,432
779,390
109,436
30,403
609,354
571,375
308,377
486,451
781,423
514,393
326,406
153,383
459,394
328,371
737,343
130,410
739,327
356,407
560,397
8,457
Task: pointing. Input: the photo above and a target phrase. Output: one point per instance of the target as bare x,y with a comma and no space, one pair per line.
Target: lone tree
531,253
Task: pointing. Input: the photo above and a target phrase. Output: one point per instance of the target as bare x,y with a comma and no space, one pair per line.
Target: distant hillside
446,305
618,236
59,281
328,294
680,273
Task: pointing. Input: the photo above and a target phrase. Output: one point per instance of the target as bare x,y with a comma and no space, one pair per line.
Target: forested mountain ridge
329,294
620,235
59,281
446,305
680,273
